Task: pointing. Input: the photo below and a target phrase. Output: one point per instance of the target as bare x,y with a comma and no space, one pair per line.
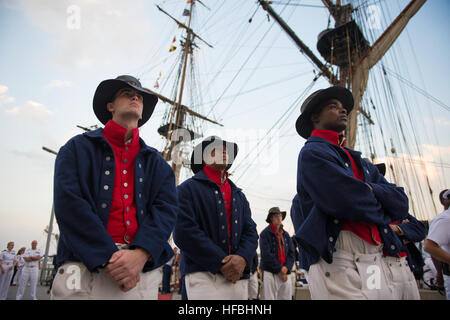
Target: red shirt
122,222
225,188
364,230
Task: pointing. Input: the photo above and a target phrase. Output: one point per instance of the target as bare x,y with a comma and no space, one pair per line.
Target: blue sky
49,73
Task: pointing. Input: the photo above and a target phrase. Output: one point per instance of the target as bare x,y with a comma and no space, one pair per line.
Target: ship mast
179,111
356,58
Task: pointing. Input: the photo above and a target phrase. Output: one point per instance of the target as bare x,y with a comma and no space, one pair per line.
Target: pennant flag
180,27
186,13
174,39
189,1
156,84
160,74
172,48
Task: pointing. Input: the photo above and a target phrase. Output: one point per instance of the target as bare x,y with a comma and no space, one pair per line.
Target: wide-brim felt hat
304,125
108,88
273,211
211,142
381,167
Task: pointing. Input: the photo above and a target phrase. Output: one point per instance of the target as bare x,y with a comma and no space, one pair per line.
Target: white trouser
28,274
274,288
357,272
447,286
5,279
73,281
253,286
402,279
208,286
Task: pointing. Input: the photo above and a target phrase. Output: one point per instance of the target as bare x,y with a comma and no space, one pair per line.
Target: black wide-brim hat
273,211
382,168
304,125
212,141
108,88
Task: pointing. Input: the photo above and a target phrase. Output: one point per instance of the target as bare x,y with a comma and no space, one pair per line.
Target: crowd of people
19,269
117,204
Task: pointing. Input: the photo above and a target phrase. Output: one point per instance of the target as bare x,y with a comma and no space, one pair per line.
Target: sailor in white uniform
30,271
20,264
7,262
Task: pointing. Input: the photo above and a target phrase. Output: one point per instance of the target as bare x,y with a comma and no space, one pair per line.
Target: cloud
4,98
91,33
31,110
58,84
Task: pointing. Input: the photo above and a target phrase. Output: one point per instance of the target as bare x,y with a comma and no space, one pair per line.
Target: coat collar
322,140
97,134
201,176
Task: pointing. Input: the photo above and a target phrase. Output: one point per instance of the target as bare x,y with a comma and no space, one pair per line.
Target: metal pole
50,230
47,246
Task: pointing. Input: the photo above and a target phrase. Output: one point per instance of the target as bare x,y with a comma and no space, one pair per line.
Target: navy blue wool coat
82,205
269,251
201,230
329,195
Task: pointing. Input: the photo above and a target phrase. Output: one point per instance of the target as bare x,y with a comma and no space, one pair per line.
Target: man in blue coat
346,206
214,229
115,202
277,257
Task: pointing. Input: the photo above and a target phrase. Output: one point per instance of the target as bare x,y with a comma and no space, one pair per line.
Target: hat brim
196,166
105,93
283,215
304,125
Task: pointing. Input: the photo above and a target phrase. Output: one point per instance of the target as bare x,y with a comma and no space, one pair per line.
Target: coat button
236,234
108,158
142,211
220,202
127,238
331,239
235,221
224,241
223,227
105,187
140,195
385,230
104,205
140,166
336,221
217,192
128,222
107,172
61,271
140,179
124,171
346,164
125,160
393,247
327,274
128,209
235,210
221,214
125,196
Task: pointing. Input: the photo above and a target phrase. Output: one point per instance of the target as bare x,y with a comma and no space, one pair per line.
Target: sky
53,55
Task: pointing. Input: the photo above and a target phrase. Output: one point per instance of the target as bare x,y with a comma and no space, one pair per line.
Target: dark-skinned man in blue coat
346,206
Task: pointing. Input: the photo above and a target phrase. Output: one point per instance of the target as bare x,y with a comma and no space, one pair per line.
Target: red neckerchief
280,239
